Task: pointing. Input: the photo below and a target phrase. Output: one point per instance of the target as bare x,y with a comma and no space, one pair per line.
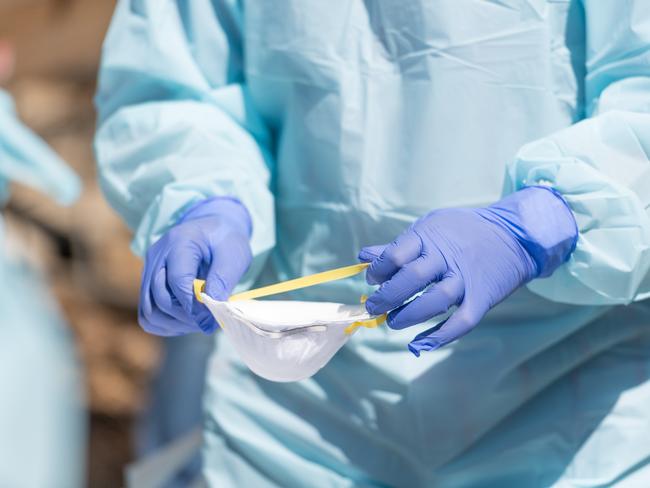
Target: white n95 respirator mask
287,340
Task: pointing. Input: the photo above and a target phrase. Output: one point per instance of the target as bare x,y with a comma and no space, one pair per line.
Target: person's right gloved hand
211,241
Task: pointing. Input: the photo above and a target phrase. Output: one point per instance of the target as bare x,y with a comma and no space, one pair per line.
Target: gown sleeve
601,165
175,123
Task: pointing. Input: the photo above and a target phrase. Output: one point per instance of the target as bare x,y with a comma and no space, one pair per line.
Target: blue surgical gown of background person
338,124
42,419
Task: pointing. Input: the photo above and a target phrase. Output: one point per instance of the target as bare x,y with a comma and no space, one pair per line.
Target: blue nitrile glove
210,241
473,258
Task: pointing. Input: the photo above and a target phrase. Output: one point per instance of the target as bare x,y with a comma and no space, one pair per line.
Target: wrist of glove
210,241
470,258
229,210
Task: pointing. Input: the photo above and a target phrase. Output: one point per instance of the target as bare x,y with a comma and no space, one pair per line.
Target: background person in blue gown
42,422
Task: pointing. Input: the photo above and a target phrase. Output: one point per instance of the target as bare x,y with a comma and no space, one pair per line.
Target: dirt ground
85,248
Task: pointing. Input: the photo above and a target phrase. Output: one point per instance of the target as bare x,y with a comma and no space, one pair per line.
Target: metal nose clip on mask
288,340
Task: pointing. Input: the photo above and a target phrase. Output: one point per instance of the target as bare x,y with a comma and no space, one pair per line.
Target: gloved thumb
370,253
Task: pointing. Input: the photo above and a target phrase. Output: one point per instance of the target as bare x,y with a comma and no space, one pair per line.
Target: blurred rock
56,37
110,271
138,353
119,357
50,105
109,449
7,60
110,390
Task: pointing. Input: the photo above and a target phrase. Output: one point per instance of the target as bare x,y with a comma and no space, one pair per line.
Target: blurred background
84,249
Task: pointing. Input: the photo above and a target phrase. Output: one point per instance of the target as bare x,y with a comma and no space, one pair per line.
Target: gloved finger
400,252
460,323
170,326
205,320
434,301
159,323
369,253
152,263
409,280
155,328
183,263
230,260
163,298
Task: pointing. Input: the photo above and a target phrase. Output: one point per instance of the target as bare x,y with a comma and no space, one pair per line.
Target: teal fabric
317,117
42,418
42,415
26,159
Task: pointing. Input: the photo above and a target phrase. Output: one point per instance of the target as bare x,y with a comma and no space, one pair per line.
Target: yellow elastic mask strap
369,324
199,287
290,285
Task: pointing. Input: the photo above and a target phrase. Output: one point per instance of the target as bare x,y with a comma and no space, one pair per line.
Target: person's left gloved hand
473,258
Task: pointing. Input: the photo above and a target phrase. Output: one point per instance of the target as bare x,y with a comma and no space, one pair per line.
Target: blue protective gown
42,420
339,123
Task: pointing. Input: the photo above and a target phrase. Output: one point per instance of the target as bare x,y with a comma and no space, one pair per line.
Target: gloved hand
473,258
211,241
